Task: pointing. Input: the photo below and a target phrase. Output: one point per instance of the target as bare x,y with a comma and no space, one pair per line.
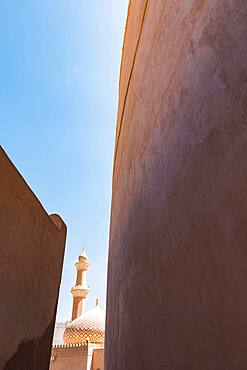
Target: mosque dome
90,326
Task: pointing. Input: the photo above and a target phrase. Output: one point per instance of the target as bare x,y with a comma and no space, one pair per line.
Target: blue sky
59,71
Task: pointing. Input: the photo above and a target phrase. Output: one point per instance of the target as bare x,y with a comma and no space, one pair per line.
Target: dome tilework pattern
90,326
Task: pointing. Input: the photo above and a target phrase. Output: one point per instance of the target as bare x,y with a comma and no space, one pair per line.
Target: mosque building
79,344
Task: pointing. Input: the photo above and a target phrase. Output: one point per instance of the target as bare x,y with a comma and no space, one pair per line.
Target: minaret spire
80,290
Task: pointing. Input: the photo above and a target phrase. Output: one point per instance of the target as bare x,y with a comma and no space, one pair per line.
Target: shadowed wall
31,258
177,277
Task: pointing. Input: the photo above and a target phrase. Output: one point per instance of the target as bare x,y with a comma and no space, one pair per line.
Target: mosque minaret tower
80,290
79,344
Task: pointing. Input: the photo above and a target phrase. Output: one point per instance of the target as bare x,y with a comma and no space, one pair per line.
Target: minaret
80,290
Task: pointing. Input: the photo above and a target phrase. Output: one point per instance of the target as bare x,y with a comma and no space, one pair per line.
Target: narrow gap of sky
59,72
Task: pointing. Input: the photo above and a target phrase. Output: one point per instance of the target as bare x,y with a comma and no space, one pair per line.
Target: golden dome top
90,326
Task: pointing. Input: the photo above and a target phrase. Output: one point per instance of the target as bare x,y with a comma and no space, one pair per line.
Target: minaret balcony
82,265
79,291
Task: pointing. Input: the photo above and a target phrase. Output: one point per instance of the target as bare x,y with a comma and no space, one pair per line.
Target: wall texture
31,257
70,358
98,359
77,357
177,278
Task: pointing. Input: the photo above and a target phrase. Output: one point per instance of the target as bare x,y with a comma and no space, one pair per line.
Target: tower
80,290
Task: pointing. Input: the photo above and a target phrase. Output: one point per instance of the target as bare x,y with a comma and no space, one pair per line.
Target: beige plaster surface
177,296
69,358
98,359
31,258
77,357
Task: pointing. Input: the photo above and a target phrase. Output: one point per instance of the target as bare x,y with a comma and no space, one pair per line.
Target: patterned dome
90,326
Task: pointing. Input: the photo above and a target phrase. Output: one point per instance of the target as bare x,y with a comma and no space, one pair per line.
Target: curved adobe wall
177,281
31,258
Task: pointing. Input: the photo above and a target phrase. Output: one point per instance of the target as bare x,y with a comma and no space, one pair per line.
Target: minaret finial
83,253
97,301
